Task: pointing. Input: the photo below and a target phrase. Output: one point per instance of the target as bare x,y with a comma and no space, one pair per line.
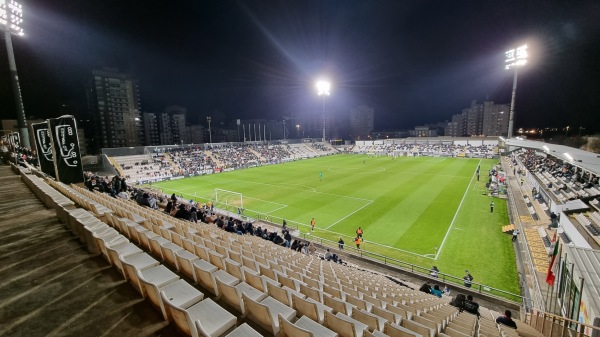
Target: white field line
455,215
349,214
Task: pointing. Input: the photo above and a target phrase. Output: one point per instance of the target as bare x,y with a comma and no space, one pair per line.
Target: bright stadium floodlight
323,88
11,19
515,58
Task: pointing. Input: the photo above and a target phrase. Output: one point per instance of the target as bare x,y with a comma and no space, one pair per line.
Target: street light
515,58
323,90
209,131
11,18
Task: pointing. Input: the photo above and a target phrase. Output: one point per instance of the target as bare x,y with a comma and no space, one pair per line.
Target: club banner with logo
43,145
65,149
15,139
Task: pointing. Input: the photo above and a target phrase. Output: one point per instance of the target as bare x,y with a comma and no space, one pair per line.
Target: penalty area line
350,214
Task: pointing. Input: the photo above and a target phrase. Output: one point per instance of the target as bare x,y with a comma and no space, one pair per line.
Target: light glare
323,88
516,57
16,16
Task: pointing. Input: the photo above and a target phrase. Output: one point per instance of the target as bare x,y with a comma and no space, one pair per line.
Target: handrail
566,323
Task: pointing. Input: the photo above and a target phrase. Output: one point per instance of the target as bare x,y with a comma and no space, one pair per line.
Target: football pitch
425,211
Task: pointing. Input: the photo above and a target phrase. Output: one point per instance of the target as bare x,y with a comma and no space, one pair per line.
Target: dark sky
415,61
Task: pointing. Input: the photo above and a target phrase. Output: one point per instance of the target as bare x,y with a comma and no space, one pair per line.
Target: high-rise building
114,102
481,119
362,120
495,119
151,130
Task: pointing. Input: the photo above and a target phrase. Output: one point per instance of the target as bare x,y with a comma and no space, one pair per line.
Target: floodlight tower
11,18
208,119
323,90
515,58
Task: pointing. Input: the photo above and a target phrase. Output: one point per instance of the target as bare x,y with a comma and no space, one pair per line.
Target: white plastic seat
244,330
373,321
266,313
358,326
133,263
394,330
304,327
343,327
117,251
151,280
207,273
310,308
169,250
185,261
180,294
204,318
232,294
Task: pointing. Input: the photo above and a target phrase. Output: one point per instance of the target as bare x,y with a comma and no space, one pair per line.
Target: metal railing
416,269
551,325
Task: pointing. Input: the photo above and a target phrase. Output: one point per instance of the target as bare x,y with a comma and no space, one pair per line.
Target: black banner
41,134
65,147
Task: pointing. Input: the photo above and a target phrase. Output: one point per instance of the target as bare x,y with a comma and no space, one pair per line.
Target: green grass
407,207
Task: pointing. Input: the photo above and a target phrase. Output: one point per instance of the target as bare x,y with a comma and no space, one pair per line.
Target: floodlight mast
11,18
515,58
323,90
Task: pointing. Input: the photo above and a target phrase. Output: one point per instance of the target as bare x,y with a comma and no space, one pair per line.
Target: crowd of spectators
439,149
561,177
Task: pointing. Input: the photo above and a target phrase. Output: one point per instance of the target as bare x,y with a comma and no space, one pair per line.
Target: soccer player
321,176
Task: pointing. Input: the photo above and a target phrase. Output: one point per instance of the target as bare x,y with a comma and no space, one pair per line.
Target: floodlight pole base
14,78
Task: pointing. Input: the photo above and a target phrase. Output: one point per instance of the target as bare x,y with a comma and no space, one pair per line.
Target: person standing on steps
341,243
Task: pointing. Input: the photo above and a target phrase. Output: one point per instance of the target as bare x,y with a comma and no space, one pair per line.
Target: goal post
229,200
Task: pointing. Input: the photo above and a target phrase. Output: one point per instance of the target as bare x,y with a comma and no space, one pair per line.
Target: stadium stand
201,278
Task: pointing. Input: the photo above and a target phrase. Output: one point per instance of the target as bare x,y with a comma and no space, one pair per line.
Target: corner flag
553,267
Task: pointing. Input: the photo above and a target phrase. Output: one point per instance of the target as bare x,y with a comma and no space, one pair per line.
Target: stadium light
323,90
515,58
11,19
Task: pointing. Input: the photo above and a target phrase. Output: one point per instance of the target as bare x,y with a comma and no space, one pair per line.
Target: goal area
229,200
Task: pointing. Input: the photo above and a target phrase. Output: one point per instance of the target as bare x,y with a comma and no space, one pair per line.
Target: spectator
328,255
434,272
446,290
287,237
436,291
506,320
470,306
182,213
468,279
341,243
458,301
426,288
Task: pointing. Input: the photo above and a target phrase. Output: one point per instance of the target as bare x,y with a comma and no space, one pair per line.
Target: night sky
415,62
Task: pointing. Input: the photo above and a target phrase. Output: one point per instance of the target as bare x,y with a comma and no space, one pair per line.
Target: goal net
229,200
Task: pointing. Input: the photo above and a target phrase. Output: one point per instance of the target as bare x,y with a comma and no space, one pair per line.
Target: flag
552,268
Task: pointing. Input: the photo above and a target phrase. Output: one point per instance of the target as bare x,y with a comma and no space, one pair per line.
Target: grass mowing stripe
455,215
